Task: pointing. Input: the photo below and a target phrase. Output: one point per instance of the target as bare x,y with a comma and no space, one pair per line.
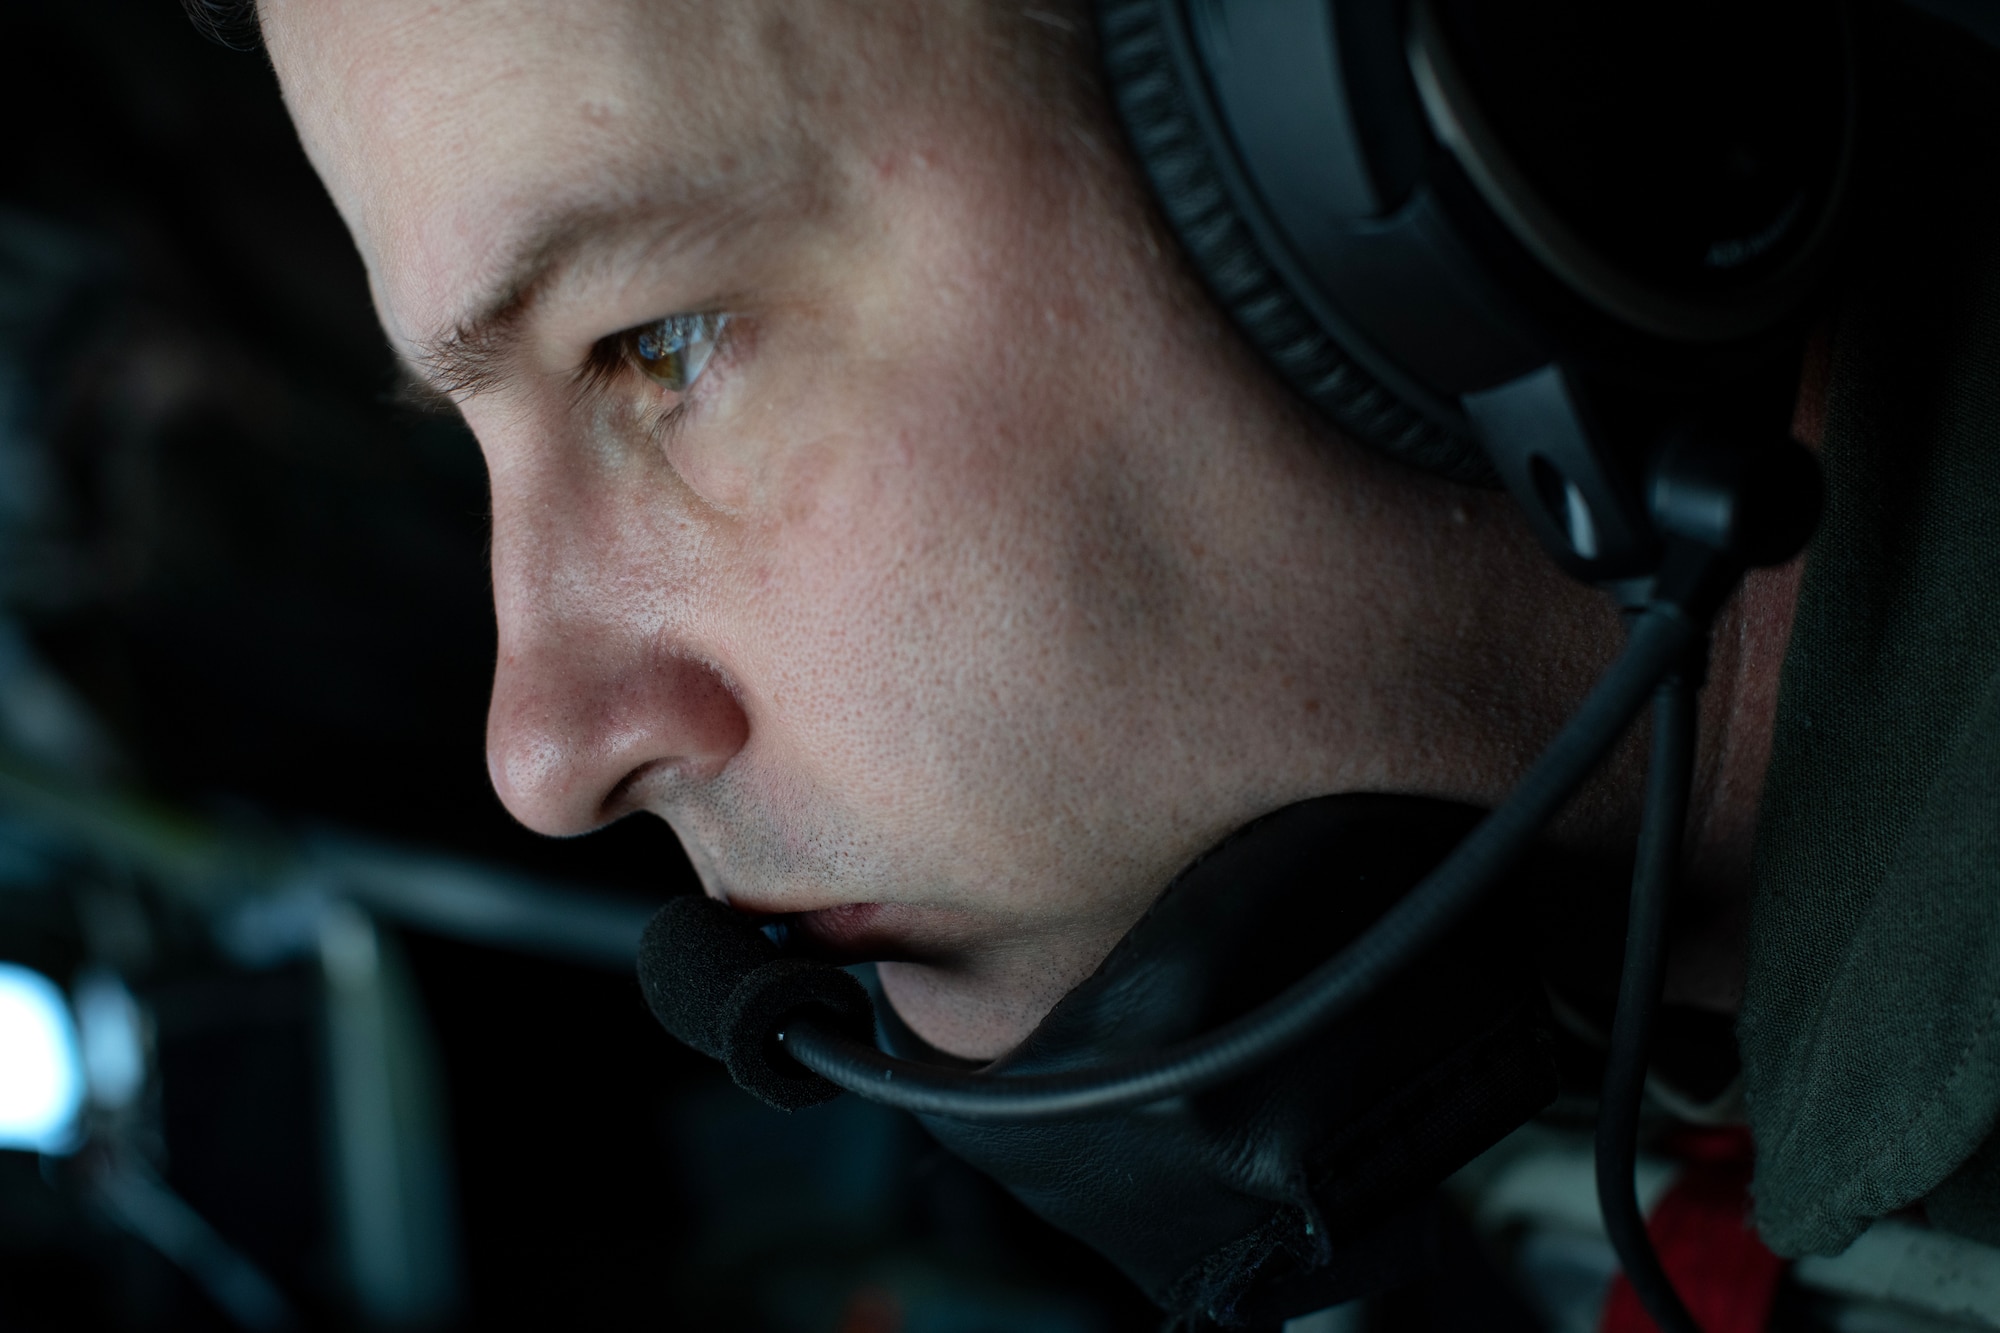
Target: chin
959,1016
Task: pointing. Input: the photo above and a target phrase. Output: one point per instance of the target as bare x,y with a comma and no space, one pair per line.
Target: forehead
448,130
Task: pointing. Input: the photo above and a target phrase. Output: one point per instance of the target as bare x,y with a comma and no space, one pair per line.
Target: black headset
1565,246
1512,239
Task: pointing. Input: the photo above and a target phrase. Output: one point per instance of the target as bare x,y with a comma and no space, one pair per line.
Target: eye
674,351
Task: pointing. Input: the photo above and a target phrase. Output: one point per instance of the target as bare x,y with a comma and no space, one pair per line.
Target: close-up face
873,498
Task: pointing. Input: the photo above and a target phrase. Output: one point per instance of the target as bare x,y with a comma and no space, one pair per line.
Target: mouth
844,934
857,933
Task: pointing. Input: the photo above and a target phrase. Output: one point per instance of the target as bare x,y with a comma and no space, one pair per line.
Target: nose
604,700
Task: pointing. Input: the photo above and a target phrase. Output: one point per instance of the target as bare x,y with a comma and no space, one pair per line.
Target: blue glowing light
41,1072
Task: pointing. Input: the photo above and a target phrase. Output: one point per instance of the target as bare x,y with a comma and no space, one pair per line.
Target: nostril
648,785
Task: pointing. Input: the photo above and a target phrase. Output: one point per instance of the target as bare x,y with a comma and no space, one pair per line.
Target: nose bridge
601,677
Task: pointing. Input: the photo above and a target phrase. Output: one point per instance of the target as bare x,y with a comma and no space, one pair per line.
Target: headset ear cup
1174,151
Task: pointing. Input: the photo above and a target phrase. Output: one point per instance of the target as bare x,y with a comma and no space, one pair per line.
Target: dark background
263,584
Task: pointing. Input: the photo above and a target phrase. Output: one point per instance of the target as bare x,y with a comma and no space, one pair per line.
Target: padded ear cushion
1174,150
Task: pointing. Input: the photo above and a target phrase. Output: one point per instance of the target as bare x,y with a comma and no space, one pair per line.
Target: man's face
954,601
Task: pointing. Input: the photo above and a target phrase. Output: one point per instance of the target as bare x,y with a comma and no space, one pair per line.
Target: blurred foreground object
41,1068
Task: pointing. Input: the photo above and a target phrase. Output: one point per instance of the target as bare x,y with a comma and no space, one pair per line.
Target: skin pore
983,578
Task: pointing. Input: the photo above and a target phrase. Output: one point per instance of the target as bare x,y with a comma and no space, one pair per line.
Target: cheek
875,571
956,572
939,601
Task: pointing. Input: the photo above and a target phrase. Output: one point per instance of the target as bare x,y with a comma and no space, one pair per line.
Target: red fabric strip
1701,1227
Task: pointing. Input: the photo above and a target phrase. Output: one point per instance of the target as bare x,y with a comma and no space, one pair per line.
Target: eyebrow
466,360
468,357
471,356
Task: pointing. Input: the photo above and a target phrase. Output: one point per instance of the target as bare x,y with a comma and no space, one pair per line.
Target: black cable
1653,880
1661,639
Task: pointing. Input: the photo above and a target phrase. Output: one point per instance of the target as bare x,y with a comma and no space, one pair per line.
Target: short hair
230,23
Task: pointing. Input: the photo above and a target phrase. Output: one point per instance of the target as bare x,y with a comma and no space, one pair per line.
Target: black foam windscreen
716,982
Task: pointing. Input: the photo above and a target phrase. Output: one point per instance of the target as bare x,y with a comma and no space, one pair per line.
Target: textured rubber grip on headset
1146,85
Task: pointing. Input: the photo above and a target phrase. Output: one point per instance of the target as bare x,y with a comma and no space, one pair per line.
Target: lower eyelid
665,425
660,413
671,411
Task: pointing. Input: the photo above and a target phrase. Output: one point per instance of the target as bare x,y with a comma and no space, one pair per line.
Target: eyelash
613,357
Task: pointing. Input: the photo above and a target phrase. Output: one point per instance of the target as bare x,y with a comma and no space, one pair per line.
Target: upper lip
851,933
